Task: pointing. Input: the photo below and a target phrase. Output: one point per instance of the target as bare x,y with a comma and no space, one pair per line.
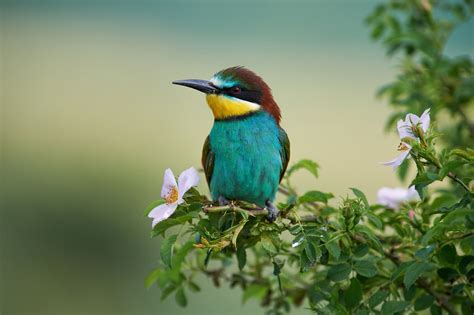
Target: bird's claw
222,201
272,211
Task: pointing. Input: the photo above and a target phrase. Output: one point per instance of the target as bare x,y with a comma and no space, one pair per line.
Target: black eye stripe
250,96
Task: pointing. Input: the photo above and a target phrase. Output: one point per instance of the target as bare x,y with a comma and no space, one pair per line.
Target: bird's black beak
200,85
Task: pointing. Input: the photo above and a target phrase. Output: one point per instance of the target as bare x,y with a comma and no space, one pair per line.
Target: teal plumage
245,158
247,152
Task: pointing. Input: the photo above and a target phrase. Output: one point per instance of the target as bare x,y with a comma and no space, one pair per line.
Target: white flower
394,197
408,128
173,193
405,149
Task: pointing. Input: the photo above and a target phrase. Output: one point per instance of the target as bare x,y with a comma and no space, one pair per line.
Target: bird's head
235,92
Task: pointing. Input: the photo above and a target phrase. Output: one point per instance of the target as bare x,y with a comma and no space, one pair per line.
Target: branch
233,208
256,212
456,179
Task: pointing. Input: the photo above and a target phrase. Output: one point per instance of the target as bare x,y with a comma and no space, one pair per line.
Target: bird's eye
235,90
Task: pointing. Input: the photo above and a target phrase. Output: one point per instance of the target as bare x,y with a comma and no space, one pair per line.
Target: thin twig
456,179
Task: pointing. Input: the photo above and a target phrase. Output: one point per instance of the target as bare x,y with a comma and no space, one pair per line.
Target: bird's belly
246,167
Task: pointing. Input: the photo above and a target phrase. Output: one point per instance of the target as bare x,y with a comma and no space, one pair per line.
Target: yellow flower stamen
402,147
172,195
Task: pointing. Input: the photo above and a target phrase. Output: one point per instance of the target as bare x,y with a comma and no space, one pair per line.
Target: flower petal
162,212
412,194
394,197
399,159
404,130
425,120
168,183
187,179
412,119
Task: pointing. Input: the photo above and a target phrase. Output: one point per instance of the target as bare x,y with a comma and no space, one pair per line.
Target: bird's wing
285,151
207,160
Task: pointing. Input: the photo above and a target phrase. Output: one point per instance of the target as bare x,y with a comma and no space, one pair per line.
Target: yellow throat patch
225,106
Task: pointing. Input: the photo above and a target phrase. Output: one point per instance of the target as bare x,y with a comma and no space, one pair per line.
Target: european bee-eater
246,154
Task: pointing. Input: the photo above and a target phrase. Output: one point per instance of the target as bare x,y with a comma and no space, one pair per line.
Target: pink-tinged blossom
395,197
411,215
173,193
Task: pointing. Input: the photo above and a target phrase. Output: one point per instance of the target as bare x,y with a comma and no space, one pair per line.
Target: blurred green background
89,121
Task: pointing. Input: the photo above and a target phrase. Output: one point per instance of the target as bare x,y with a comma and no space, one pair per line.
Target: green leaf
333,249
403,170
375,220
241,257
314,195
378,297
451,166
425,179
180,297
361,195
299,239
436,310
267,244
414,271
153,277
447,255
465,154
161,227
447,274
409,293
401,269
466,264
423,302
308,165
312,252
193,286
166,250
255,291
339,272
457,216
305,263
353,294
167,291
425,252
373,240
361,250
237,231
365,268
180,254
467,244
391,307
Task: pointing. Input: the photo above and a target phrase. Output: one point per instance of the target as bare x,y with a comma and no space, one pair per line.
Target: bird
246,153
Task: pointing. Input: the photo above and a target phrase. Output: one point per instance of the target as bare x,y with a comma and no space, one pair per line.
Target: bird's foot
272,211
222,201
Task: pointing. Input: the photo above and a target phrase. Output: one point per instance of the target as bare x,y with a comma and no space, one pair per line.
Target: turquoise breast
247,160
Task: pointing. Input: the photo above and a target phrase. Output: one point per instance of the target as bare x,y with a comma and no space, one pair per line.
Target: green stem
460,182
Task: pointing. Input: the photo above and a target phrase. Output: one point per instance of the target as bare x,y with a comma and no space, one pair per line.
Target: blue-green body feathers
244,158
246,154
